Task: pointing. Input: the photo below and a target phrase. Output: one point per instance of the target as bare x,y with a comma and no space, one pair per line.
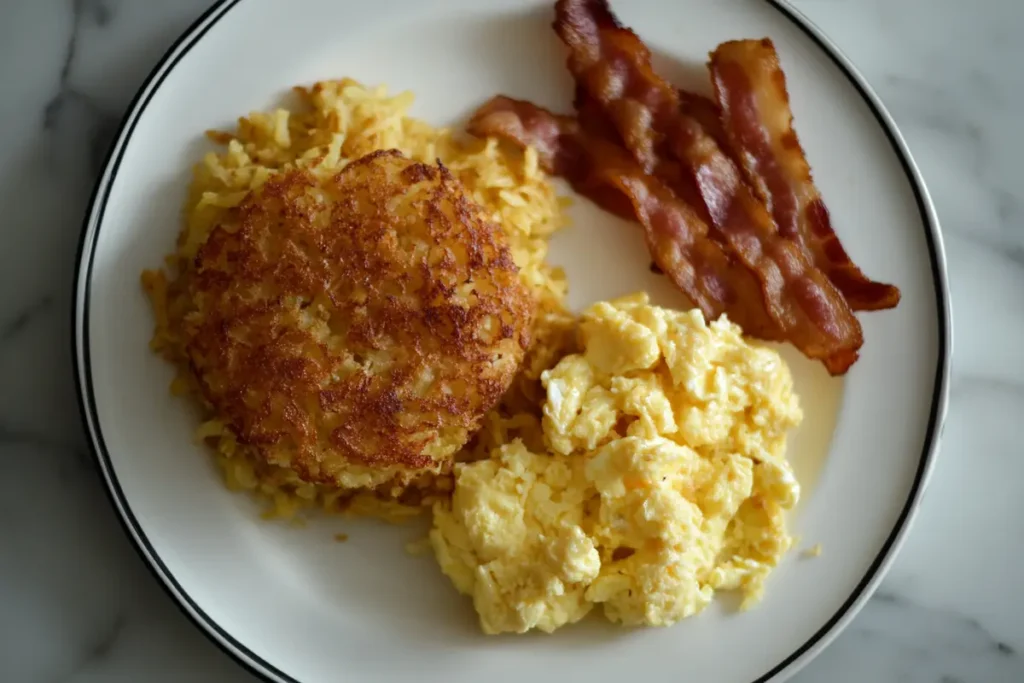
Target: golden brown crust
367,319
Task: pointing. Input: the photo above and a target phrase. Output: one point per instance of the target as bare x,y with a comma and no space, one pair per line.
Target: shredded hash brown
231,280
356,326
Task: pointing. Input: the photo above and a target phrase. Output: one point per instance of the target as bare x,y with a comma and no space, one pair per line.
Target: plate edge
940,398
216,634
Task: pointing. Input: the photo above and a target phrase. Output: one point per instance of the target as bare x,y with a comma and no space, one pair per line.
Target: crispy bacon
751,89
707,113
612,65
676,236
799,297
597,123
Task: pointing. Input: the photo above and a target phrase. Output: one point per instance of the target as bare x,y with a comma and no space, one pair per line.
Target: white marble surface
77,604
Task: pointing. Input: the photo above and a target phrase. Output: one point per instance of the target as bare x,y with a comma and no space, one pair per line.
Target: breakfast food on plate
512,539
751,87
662,480
362,308
349,317
355,326
723,195
677,237
612,67
662,477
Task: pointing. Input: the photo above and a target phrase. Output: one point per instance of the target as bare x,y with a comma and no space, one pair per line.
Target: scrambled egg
665,480
513,540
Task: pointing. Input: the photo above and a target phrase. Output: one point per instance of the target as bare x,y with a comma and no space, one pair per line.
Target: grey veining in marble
76,603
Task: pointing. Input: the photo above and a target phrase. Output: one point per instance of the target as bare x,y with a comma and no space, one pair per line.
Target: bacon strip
676,236
707,113
751,89
704,109
596,122
612,65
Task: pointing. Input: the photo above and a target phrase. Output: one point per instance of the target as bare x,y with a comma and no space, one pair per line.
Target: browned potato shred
358,299
356,327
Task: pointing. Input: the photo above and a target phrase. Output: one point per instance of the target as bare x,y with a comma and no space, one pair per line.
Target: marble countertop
78,604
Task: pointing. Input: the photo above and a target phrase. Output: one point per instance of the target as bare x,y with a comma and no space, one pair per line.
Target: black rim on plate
252,660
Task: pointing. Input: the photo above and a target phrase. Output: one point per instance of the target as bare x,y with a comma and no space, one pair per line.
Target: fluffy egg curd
663,480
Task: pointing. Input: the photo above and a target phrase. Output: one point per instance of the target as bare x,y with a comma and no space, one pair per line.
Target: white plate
291,604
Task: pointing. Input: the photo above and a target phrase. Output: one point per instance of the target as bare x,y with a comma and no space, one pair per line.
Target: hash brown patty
356,326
